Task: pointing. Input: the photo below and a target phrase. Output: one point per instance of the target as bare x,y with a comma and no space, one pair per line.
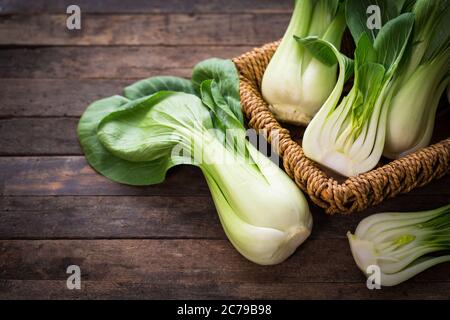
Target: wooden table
157,242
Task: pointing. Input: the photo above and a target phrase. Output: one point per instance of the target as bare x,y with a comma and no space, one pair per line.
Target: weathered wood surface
31,176
162,241
147,6
149,29
61,176
153,217
43,98
180,269
107,62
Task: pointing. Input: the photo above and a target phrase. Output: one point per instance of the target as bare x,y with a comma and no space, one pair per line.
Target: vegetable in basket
136,139
421,80
348,135
402,244
295,83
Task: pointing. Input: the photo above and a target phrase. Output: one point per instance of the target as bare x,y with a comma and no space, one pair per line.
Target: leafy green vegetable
264,214
348,135
402,244
356,15
223,72
296,84
421,81
116,169
147,87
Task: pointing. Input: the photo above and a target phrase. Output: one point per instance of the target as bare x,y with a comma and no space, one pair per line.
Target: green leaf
365,52
369,84
357,16
325,52
151,130
225,74
231,131
319,50
392,40
222,115
153,85
402,5
439,35
103,161
408,5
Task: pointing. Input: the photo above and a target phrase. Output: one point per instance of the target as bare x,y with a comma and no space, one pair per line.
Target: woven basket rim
355,193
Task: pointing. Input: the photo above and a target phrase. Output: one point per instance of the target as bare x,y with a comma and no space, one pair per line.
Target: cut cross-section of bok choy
348,134
403,244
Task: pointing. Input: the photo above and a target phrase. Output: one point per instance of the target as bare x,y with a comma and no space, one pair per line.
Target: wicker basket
354,194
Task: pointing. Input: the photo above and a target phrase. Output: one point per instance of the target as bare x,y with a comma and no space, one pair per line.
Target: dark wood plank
33,176
172,217
145,6
201,289
173,29
44,97
36,136
194,269
48,176
107,62
109,217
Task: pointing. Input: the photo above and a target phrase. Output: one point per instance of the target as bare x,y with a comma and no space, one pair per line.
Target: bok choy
402,244
165,122
348,135
421,80
295,84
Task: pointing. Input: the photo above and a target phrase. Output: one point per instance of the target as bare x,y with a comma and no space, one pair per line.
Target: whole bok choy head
295,83
402,244
421,80
348,135
136,139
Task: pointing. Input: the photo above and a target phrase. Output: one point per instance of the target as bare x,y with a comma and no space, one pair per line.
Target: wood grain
35,136
193,269
103,62
54,176
146,6
75,217
172,29
206,289
156,242
34,176
53,98
156,217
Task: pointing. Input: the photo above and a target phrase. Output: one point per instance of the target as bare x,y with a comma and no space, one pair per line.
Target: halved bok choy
402,244
348,134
